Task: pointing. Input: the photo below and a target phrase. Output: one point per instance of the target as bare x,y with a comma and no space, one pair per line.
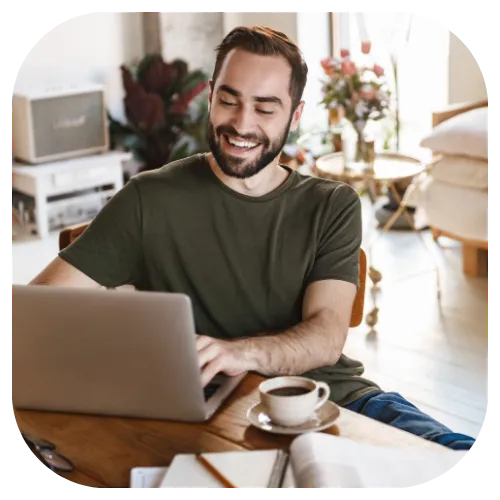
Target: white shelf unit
84,181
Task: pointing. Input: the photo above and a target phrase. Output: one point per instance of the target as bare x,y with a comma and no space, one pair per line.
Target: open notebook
318,461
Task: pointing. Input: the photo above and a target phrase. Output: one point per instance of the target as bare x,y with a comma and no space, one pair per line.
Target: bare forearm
61,273
310,344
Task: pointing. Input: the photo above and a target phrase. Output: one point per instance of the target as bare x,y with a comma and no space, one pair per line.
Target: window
421,48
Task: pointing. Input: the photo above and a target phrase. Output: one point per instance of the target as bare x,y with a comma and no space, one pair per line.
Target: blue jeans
392,409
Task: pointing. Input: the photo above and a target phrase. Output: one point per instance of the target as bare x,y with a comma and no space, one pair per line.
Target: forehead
256,75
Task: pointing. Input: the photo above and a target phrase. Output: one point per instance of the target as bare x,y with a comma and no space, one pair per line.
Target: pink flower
368,92
344,53
328,64
348,68
378,70
366,47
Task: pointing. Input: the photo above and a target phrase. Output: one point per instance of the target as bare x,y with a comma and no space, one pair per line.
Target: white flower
382,96
360,109
333,104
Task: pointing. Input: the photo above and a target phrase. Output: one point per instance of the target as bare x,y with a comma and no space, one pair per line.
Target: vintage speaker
59,123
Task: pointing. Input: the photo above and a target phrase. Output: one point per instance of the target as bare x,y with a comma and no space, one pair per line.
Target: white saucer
322,419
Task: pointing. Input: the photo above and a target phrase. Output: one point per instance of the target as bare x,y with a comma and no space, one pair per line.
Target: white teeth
242,144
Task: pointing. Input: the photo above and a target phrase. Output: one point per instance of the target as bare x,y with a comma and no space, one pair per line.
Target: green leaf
192,80
181,152
145,63
132,142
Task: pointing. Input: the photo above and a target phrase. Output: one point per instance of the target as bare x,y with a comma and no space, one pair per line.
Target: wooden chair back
70,234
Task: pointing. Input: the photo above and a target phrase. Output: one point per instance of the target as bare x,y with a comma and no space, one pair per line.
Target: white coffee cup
291,401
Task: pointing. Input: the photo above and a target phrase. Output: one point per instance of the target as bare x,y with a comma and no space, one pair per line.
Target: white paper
147,477
325,461
244,469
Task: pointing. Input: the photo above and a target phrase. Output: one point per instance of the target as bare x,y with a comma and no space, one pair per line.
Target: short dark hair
267,42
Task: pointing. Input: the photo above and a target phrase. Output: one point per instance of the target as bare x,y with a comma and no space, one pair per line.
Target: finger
203,341
210,371
208,354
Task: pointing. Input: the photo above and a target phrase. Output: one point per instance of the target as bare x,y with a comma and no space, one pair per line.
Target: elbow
335,335
330,353
334,354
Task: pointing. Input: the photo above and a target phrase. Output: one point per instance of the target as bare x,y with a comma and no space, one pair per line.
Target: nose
243,121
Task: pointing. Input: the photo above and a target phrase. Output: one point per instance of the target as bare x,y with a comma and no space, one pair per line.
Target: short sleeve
337,255
109,251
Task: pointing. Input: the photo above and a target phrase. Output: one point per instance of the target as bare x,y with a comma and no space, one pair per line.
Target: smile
244,145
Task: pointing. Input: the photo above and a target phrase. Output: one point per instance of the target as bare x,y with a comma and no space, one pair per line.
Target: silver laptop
124,353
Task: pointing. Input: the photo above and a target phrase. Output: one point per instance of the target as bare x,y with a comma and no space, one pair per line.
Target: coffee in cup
292,401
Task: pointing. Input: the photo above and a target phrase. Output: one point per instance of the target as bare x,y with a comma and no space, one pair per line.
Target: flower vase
335,122
365,151
334,117
360,148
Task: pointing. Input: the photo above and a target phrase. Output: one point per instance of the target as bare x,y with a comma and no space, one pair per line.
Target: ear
296,116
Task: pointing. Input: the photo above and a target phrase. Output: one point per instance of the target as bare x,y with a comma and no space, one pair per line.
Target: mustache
229,130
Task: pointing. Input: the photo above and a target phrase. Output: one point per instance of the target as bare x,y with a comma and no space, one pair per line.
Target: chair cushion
465,135
462,171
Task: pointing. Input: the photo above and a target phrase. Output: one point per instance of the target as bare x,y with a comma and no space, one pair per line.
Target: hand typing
220,356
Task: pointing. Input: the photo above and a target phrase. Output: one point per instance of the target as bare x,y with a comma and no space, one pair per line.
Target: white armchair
453,197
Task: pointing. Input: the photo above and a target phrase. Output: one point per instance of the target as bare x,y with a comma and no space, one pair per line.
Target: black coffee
289,391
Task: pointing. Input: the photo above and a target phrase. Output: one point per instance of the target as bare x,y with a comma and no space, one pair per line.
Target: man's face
250,112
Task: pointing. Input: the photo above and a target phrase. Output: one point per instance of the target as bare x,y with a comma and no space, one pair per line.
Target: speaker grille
70,123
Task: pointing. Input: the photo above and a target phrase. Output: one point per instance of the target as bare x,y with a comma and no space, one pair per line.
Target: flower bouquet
355,93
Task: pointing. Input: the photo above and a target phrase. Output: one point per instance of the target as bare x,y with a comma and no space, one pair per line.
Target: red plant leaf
181,104
144,110
130,86
158,77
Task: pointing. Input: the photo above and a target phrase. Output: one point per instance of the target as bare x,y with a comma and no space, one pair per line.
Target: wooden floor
432,352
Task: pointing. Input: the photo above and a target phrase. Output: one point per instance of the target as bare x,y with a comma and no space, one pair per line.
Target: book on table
316,460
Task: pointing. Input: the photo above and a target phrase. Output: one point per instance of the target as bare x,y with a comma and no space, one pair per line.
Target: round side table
387,169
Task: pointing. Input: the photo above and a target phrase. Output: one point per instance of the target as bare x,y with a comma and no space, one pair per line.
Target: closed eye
232,104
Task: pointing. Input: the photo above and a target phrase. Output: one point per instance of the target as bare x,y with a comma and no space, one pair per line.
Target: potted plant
354,93
166,110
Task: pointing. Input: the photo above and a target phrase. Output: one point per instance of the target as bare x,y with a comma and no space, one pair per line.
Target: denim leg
392,409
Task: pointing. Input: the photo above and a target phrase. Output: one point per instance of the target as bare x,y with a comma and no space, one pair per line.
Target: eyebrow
264,99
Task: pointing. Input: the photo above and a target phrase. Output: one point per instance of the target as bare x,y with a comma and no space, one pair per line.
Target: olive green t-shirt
244,261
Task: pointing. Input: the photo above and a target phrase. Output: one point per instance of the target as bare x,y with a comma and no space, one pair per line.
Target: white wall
88,48
313,38
466,81
92,48
192,36
281,21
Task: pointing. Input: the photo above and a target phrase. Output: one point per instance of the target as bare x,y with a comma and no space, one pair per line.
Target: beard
243,168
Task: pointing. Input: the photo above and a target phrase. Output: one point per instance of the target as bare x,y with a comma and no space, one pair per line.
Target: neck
268,179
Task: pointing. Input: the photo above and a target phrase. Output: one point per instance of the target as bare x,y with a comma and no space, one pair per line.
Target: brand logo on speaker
66,123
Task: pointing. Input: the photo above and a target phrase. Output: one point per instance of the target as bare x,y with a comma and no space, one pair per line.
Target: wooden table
105,449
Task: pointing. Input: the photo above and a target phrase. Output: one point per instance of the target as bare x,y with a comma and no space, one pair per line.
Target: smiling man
269,257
